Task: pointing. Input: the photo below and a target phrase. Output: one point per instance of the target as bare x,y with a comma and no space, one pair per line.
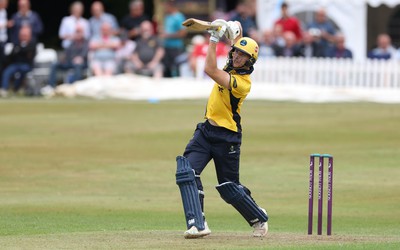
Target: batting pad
185,179
236,196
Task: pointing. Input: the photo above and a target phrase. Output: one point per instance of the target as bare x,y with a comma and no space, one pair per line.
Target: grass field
84,174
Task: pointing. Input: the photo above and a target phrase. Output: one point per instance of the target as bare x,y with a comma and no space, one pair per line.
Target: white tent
349,15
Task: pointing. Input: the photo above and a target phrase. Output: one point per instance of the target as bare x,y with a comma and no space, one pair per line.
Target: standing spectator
19,61
291,48
3,31
103,49
243,15
325,28
74,60
25,16
339,50
173,35
289,23
310,46
98,17
146,59
131,22
384,49
69,24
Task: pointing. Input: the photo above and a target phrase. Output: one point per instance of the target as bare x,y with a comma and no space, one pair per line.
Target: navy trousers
221,145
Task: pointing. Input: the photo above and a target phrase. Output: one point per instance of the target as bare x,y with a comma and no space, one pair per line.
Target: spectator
25,16
74,60
173,35
131,22
19,61
200,51
384,49
291,48
98,17
278,35
310,46
243,15
220,14
322,26
267,44
124,52
103,51
289,23
146,59
3,31
70,23
339,50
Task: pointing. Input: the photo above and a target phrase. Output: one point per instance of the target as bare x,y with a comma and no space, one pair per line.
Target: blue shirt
32,19
328,28
95,23
247,24
173,24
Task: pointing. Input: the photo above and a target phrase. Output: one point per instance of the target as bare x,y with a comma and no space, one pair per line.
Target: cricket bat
194,24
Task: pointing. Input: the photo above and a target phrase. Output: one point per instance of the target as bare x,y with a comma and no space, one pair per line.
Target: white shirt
126,51
68,27
3,25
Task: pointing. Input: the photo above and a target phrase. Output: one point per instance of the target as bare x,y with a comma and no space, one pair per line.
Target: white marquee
349,15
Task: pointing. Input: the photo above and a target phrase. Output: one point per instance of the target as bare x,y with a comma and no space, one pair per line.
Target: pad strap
235,195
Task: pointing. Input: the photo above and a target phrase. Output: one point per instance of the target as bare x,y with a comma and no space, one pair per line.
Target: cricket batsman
219,137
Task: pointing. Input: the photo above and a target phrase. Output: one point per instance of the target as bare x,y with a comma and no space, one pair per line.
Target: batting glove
232,30
217,34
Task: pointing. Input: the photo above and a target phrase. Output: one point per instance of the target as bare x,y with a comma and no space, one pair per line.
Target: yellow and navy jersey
224,105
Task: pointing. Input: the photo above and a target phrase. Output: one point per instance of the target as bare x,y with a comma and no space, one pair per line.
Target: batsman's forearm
211,58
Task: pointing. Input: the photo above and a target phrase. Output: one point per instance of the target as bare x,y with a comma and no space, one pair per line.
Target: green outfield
84,174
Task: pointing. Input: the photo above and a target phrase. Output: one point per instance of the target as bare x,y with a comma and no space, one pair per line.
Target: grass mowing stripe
100,174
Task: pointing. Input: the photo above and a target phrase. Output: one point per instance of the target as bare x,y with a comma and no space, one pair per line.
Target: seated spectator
267,44
384,49
25,16
3,31
243,15
291,48
146,59
324,27
103,50
69,23
339,50
277,32
289,23
124,52
131,22
19,61
98,17
200,51
310,46
73,60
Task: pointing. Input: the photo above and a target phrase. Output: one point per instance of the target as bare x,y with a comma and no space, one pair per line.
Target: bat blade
199,25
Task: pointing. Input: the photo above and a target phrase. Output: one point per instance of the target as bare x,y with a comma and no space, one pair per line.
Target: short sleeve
240,85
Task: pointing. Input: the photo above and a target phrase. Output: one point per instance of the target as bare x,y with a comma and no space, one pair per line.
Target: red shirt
200,50
290,24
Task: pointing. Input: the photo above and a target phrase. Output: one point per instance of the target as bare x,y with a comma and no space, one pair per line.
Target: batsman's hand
217,34
233,30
